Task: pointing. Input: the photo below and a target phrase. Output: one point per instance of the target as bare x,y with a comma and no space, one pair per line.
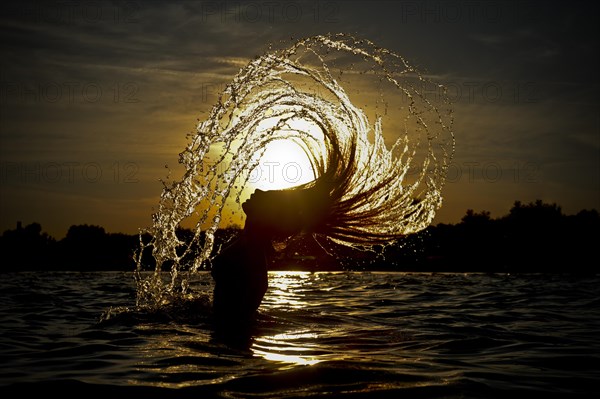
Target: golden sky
96,98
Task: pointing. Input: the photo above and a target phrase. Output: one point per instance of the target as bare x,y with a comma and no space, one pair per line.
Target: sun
284,163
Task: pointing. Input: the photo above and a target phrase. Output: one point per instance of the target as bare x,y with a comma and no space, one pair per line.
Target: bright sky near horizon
96,98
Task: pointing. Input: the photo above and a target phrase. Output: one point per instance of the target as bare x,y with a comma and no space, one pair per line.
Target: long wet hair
364,193
339,204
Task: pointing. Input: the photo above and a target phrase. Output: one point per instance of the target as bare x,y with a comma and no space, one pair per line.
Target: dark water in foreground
349,334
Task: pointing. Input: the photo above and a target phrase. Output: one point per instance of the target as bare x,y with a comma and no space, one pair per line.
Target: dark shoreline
532,238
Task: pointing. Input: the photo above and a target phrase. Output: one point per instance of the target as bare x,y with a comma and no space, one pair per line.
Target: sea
338,334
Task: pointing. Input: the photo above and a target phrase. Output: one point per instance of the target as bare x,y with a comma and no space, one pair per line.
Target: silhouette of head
280,213
345,203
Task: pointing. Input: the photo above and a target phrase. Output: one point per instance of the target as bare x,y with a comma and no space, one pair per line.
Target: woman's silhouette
240,270
335,205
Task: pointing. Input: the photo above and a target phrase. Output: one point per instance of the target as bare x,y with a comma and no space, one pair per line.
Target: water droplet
233,136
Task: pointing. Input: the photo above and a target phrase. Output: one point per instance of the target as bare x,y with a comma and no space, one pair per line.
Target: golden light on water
286,290
278,348
291,348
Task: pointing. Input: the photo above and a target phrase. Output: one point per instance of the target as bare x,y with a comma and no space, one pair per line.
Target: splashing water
295,94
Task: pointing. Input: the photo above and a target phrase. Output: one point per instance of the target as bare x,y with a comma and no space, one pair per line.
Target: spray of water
392,183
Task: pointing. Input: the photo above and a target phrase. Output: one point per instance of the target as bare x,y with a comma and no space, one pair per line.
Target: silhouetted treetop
476,218
535,212
85,232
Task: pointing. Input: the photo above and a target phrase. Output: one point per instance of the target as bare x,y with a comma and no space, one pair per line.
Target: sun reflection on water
287,292
279,348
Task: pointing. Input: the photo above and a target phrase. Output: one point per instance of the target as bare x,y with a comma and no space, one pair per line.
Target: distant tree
84,232
476,218
535,212
26,248
588,216
84,248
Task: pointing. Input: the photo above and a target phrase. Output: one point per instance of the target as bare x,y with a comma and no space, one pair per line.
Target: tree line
533,237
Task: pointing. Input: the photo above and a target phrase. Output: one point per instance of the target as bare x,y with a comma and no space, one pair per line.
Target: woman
240,271
334,205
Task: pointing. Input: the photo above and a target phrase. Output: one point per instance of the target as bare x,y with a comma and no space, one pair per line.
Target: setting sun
285,163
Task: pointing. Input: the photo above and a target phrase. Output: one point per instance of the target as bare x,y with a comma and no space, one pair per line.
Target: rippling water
351,334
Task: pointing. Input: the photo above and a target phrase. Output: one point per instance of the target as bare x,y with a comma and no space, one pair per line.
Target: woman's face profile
264,204
285,211
276,209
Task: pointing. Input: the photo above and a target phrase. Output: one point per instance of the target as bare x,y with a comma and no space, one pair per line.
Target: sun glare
285,163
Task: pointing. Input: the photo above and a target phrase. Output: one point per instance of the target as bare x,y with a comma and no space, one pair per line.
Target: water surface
354,334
